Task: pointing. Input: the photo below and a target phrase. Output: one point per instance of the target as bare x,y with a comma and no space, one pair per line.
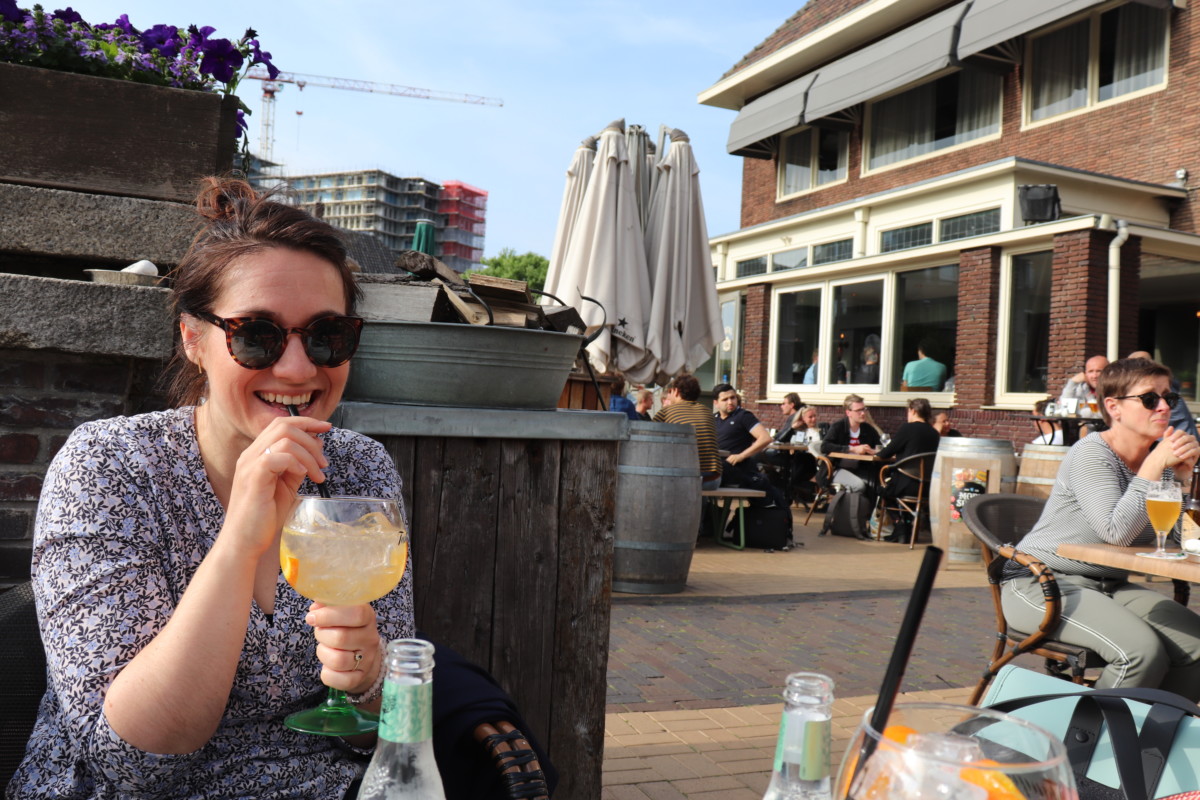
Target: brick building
885,144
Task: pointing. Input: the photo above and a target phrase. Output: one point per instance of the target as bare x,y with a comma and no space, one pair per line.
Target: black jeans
745,474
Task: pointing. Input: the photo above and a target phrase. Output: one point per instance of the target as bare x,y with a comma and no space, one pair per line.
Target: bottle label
804,744
407,712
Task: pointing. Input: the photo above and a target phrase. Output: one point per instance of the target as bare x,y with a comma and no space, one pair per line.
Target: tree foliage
528,267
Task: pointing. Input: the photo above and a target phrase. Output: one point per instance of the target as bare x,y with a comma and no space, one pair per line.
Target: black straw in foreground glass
257,343
1150,399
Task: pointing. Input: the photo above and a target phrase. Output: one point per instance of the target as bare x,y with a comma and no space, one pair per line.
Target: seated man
925,372
680,408
852,434
741,435
941,423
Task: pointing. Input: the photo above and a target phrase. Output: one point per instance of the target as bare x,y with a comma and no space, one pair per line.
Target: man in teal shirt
924,373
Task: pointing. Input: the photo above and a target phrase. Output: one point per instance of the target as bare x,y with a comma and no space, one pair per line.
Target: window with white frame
904,238
813,157
949,111
925,316
751,266
797,336
1096,59
857,326
790,259
1027,357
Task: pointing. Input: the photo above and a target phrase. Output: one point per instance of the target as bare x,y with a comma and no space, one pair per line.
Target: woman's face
1131,415
292,288
810,418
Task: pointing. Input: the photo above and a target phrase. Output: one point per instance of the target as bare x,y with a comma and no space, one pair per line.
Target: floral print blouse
125,518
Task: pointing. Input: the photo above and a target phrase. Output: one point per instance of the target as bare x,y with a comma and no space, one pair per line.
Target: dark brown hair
687,386
920,406
1120,376
239,222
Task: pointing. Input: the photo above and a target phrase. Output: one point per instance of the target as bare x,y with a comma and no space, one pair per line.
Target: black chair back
1002,519
22,675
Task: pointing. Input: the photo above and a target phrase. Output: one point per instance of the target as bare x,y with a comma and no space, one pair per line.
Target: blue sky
563,69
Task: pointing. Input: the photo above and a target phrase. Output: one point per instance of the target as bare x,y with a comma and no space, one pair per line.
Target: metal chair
824,479
999,521
918,467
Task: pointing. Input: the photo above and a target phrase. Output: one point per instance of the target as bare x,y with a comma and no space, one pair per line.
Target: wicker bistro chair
23,665
824,479
918,467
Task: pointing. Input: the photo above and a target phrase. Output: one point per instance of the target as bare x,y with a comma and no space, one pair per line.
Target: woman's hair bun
220,197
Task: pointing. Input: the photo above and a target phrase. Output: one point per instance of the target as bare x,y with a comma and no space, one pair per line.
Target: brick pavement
694,678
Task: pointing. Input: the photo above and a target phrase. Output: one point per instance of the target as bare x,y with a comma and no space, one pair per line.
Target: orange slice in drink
291,569
997,785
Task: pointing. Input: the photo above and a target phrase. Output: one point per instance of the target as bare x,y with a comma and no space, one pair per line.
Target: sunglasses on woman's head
257,343
1150,399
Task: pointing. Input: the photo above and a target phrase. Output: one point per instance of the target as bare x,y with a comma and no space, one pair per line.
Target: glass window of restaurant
926,314
790,259
721,367
857,327
797,336
1099,58
813,157
1024,350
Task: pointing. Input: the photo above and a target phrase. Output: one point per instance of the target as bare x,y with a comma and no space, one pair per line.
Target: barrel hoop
666,546
631,587
660,437
677,472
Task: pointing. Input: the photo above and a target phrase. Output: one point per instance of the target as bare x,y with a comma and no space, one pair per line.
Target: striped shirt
1096,499
687,412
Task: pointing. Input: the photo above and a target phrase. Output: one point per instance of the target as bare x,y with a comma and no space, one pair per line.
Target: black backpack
847,515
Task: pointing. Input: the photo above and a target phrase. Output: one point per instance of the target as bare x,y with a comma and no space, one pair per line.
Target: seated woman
1146,638
174,647
915,436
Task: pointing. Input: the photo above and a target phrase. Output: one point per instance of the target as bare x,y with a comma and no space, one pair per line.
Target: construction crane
272,86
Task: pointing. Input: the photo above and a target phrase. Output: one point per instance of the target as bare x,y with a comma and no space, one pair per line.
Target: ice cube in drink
344,564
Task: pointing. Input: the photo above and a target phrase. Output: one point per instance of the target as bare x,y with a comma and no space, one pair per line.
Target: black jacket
837,440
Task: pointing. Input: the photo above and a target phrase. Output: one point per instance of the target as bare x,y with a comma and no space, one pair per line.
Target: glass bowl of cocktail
342,551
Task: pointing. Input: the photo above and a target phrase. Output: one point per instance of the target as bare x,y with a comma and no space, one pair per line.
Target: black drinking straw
900,654
321,487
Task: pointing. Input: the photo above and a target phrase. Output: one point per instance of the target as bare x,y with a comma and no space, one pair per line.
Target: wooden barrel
658,508
1039,468
964,467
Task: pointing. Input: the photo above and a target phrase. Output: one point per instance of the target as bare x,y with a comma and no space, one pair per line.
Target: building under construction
388,207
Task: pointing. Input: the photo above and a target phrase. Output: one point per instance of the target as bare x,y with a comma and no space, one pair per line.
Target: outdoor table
788,447
1112,555
1070,425
860,457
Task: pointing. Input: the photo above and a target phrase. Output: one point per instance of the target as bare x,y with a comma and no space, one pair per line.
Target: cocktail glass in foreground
1164,501
951,752
342,551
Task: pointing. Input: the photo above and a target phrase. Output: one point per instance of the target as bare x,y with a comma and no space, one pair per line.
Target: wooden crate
106,136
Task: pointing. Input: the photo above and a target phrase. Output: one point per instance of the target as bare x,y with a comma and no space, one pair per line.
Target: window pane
1059,71
753,266
790,259
857,323
797,162
1029,323
951,110
902,238
1132,49
833,151
833,251
798,331
926,315
966,225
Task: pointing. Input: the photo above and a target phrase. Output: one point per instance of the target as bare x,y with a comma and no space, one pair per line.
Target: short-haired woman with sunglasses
1146,638
175,648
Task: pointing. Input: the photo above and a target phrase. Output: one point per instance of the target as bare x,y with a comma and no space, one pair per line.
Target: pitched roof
813,15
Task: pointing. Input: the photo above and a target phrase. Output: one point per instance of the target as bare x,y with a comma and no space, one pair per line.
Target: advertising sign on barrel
966,468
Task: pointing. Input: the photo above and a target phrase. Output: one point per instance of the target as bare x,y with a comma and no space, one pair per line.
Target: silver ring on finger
266,451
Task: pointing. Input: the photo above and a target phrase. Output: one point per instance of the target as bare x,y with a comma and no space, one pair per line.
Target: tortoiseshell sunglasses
257,342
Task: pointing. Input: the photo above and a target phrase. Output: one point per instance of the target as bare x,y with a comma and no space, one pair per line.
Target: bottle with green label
403,767
802,752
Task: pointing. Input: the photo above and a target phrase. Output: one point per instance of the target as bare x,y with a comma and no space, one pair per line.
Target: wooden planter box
79,132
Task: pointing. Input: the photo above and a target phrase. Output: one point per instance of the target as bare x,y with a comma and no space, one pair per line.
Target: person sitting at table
852,434
941,423
645,404
1146,638
680,408
1081,387
740,434
924,372
915,436
1050,429
618,402
799,467
174,647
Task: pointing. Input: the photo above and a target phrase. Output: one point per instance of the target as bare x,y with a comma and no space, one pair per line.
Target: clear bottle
403,767
1189,523
802,752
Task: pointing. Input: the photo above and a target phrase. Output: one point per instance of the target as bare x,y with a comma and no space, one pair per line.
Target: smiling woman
156,552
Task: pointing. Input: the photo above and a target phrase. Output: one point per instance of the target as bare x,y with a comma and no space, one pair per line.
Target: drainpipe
1114,287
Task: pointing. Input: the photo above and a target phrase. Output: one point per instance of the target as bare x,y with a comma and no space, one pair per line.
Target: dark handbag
1141,757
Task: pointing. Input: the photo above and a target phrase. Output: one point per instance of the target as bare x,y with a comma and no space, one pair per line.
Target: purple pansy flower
221,59
9,11
243,126
123,23
259,56
164,39
68,15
